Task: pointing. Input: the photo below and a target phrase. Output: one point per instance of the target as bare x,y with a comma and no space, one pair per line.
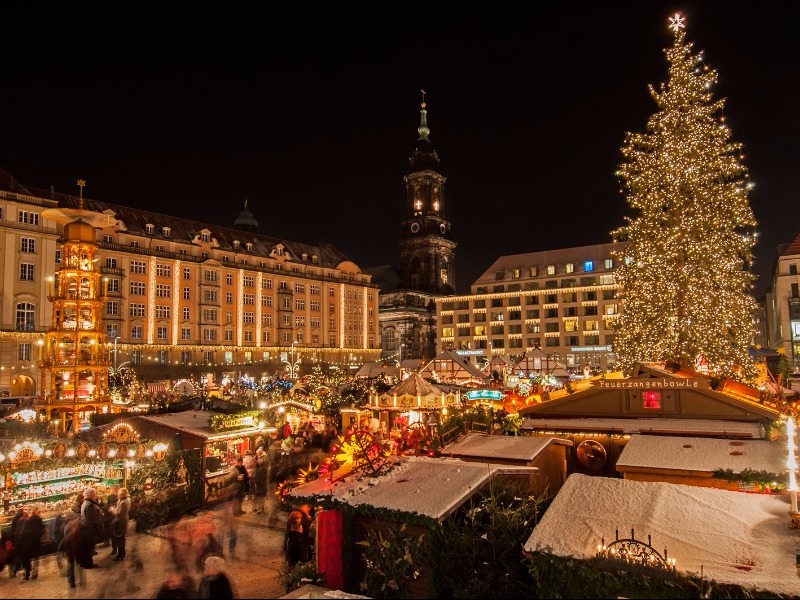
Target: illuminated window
569,268
551,269
608,263
651,400
588,265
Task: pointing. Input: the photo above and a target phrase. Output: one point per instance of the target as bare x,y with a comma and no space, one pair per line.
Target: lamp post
401,354
115,353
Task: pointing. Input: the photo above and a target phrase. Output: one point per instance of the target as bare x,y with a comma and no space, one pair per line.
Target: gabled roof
377,368
455,367
792,248
547,364
498,361
414,385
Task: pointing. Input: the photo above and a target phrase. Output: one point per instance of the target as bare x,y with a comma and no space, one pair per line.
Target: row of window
532,342
588,267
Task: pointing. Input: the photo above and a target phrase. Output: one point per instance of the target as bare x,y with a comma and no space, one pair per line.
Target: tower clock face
443,228
414,227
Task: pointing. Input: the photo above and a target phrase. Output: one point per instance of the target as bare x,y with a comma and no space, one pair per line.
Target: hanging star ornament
677,22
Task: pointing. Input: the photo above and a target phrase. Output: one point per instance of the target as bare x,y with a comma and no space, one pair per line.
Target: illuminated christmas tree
684,272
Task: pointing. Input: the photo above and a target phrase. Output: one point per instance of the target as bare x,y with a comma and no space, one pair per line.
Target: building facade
181,296
426,268
782,302
562,301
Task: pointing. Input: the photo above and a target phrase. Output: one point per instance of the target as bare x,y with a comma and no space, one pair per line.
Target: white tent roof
481,445
703,454
432,487
737,538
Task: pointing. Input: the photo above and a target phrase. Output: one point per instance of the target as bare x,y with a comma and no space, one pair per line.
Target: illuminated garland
221,422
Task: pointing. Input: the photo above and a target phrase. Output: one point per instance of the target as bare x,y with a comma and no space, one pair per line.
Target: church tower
426,250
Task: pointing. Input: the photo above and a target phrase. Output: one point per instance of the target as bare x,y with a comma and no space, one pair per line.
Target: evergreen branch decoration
764,478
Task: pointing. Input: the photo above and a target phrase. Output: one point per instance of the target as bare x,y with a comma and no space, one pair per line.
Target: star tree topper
677,22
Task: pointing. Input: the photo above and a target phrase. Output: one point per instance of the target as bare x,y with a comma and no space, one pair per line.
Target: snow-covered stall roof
377,368
481,445
741,539
432,487
741,429
703,454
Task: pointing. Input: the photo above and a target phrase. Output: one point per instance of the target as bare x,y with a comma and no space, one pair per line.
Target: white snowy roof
684,426
703,454
737,538
481,445
432,487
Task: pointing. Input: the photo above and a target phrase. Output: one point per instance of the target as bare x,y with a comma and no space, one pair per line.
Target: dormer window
314,258
149,228
166,231
236,244
249,246
304,256
204,237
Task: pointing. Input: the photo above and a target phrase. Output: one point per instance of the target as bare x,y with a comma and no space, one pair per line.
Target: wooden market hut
536,362
600,417
412,492
547,454
221,437
729,537
413,399
451,367
694,460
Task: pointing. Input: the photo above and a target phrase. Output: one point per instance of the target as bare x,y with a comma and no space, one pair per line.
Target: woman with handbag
119,525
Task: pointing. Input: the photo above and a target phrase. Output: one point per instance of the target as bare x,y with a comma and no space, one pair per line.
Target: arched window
26,316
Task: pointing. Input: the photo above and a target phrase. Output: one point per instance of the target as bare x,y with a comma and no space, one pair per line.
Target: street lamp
115,352
401,354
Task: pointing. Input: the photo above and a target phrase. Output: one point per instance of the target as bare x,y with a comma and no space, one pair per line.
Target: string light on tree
684,273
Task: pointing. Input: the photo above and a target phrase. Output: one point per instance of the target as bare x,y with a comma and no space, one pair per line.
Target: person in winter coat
119,525
241,484
91,531
261,476
30,541
17,523
249,462
297,550
215,585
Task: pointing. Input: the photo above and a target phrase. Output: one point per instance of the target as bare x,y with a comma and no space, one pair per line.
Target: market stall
222,438
50,472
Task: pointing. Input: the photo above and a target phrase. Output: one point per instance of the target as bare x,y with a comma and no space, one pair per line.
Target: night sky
311,113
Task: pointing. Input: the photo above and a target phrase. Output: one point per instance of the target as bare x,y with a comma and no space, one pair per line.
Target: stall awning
156,388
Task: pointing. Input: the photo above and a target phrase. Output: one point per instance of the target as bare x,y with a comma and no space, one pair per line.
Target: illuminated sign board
662,383
590,349
469,352
484,395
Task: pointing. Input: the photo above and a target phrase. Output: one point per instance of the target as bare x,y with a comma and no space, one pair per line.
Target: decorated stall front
221,437
50,472
413,400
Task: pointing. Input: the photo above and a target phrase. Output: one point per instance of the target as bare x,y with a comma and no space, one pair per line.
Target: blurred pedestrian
109,512
30,543
215,584
176,585
242,484
91,527
249,462
296,548
260,479
119,525
17,523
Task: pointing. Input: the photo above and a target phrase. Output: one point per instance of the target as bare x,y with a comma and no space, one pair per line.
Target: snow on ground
703,454
738,538
431,487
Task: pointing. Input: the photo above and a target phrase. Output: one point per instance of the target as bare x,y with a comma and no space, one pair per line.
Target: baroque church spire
423,129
